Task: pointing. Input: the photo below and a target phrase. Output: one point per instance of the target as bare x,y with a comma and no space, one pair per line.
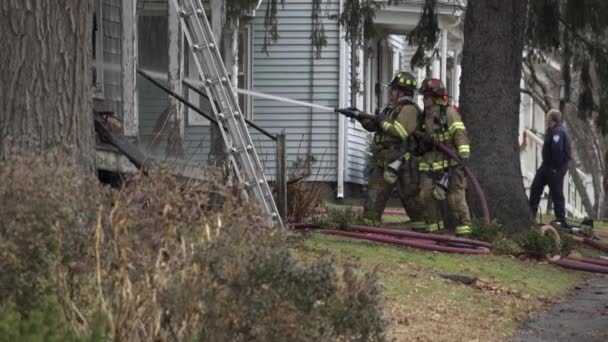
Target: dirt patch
582,316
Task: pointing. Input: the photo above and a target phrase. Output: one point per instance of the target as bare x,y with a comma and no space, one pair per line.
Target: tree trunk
491,73
603,209
46,81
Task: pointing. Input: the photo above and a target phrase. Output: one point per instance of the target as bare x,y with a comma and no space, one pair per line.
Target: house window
244,79
97,65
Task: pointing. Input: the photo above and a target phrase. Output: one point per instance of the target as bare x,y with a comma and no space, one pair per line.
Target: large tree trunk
491,72
45,81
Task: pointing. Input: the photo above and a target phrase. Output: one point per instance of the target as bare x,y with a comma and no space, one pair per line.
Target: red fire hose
410,239
595,244
416,243
581,265
423,236
595,261
449,244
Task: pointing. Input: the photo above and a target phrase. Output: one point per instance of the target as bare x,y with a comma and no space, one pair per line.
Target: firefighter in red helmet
442,178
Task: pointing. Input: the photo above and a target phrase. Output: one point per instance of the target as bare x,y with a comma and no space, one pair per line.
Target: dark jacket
556,148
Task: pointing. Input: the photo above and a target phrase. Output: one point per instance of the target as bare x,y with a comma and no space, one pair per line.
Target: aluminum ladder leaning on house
243,158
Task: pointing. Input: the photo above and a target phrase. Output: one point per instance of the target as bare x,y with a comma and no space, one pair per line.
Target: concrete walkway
582,316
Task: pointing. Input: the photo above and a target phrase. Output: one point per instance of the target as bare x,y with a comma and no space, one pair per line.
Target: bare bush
161,260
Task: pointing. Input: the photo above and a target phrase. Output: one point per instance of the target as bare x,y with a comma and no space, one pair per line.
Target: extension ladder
241,153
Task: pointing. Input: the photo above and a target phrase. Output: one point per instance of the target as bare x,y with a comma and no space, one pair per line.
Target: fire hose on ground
580,264
446,244
439,243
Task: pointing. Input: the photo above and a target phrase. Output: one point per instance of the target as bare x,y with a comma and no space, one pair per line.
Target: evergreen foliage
425,34
576,32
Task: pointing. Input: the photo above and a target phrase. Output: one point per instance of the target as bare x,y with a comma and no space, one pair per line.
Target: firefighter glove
440,186
439,193
464,161
425,144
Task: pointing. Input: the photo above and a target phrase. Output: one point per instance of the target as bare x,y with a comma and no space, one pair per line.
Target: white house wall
291,70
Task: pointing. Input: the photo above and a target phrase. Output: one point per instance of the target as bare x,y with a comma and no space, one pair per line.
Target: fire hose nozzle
348,112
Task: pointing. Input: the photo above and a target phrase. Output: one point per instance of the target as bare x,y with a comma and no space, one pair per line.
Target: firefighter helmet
405,81
432,87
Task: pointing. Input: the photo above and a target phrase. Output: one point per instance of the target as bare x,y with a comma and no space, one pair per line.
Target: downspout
342,91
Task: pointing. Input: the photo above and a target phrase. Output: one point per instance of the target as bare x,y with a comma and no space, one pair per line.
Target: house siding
290,69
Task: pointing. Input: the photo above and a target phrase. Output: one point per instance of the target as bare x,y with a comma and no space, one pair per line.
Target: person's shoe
463,230
430,227
418,226
560,224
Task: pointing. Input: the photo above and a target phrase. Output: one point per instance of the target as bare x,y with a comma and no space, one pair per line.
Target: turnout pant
456,198
379,191
554,178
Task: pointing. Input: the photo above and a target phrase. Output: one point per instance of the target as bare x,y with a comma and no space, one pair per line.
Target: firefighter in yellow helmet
391,162
442,178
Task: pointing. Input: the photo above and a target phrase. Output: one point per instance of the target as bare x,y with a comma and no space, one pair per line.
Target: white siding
290,70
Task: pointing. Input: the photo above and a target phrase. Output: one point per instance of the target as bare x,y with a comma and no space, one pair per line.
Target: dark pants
555,180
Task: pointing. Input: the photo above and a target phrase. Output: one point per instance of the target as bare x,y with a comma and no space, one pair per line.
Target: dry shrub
303,198
42,199
162,261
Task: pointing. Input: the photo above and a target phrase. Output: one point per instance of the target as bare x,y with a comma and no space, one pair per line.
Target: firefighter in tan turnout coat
391,163
442,178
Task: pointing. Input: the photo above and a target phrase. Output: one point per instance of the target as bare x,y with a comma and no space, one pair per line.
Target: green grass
533,278
602,225
422,306
386,219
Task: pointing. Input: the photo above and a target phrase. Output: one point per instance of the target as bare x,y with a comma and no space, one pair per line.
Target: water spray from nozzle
159,75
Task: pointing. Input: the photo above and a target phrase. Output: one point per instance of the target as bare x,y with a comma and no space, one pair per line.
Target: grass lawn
421,306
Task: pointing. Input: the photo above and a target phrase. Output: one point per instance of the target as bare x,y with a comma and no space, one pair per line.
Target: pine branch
593,46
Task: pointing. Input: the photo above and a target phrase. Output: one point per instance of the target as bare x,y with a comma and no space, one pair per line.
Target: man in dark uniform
556,156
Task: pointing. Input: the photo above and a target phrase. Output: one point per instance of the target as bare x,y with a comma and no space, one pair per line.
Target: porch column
175,146
444,55
420,76
456,71
128,64
234,52
436,69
